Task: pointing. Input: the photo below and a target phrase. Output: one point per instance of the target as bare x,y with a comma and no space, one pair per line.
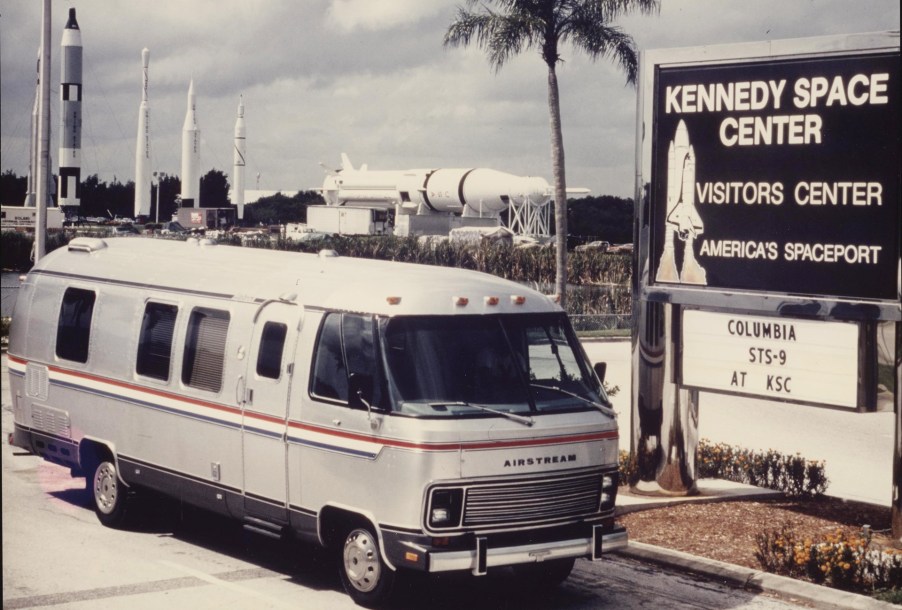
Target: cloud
374,15
366,77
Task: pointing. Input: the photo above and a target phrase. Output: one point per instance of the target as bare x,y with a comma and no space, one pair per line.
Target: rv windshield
452,366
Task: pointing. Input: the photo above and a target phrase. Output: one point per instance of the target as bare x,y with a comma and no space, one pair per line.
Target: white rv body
302,394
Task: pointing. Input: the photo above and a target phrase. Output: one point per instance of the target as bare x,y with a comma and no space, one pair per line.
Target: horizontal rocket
70,114
467,191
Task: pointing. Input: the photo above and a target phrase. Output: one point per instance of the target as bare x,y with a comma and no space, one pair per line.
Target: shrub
850,562
791,474
628,469
17,246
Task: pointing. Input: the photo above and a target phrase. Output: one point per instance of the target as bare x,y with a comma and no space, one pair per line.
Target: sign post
767,231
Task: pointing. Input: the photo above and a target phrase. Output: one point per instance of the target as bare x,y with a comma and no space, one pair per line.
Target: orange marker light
491,301
461,301
393,300
411,556
518,299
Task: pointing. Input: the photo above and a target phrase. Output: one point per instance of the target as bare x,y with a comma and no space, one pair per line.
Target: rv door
266,386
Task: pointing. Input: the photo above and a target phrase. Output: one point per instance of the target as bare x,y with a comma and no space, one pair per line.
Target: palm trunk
560,186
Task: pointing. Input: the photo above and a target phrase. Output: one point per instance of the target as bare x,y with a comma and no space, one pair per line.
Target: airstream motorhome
409,417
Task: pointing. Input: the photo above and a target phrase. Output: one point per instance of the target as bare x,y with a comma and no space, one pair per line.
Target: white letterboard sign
786,358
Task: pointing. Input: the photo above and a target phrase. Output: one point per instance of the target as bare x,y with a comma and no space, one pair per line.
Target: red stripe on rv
401,444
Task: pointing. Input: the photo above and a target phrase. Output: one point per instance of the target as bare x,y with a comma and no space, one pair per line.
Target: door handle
239,390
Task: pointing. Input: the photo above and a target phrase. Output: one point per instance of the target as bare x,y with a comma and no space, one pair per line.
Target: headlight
608,491
445,507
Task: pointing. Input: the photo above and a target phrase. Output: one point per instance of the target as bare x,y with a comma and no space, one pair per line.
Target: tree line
117,199
603,217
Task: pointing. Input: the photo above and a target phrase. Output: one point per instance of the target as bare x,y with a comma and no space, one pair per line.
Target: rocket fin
346,162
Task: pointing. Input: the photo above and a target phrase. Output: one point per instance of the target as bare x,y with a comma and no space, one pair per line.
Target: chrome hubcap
361,561
106,488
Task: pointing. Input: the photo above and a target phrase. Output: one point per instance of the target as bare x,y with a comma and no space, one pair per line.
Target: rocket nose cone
72,24
681,138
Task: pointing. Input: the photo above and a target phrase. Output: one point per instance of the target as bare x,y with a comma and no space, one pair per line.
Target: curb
755,580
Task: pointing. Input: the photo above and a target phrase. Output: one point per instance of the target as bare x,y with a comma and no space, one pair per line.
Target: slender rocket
238,163
190,155
70,115
142,148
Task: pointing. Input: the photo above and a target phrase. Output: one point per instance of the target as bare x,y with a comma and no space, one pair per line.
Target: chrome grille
532,501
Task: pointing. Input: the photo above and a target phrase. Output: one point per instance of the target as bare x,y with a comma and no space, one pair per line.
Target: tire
544,575
109,497
364,575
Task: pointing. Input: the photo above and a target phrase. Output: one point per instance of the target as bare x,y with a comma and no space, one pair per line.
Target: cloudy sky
365,77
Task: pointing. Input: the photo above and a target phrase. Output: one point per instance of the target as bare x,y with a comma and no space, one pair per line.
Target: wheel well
335,522
91,453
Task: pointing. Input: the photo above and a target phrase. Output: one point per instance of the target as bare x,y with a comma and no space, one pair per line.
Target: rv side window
73,332
205,349
346,346
269,354
155,342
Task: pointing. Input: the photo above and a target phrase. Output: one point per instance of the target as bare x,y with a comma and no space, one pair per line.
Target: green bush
16,247
791,474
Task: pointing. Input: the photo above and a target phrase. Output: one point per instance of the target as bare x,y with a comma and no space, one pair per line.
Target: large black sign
778,176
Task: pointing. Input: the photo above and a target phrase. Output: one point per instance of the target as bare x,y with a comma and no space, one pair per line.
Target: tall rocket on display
33,150
70,115
190,155
142,148
238,162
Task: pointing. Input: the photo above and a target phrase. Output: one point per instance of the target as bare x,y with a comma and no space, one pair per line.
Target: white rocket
33,150
142,148
238,162
478,192
70,114
190,155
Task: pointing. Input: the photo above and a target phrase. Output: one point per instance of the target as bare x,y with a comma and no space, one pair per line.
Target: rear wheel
109,496
365,576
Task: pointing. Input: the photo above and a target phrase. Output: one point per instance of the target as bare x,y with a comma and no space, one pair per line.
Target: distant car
173,228
125,229
621,249
601,246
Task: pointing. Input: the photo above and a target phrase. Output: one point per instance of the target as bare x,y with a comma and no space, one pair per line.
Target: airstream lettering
408,417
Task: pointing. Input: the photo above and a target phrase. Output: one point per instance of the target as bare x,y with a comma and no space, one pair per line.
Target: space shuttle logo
682,219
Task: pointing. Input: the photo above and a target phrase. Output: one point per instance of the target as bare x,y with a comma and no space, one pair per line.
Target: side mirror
360,391
600,369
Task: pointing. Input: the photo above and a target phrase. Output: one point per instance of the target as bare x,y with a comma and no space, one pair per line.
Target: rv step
265,528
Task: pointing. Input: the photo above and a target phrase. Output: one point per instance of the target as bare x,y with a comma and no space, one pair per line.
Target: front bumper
482,554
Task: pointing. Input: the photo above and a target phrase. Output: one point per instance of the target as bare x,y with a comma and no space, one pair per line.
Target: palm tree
543,25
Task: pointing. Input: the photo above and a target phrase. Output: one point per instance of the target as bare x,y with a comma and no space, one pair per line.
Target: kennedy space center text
753,96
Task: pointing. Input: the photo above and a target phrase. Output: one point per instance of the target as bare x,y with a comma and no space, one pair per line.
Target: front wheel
364,575
108,495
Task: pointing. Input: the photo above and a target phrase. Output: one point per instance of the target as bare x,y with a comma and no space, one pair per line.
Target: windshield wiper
520,419
601,407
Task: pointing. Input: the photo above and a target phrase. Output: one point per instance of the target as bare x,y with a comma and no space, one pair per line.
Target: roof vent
86,244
